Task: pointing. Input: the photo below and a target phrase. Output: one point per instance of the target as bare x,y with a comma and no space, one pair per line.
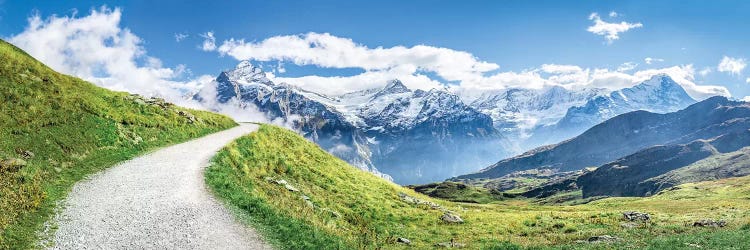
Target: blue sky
517,36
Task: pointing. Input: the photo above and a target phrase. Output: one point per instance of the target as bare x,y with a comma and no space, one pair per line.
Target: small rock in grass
451,218
450,244
709,223
629,225
304,197
281,182
12,164
403,240
602,239
636,216
25,154
291,188
693,245
332,212
309,203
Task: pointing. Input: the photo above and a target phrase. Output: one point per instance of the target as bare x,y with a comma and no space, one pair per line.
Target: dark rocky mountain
629,133
412,136
640,174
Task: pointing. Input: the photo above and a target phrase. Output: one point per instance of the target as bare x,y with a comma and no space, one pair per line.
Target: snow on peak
659,80
244,64
246,73
393,87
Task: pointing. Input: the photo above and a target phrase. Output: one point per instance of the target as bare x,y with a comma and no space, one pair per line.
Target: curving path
156,201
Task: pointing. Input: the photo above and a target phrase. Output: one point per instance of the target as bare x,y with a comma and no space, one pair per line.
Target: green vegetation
458,192
353,209
64,128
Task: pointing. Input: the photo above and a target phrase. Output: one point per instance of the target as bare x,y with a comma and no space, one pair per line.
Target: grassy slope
458,192
73,128
372,215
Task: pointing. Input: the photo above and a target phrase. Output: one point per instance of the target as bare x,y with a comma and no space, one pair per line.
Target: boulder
450,244
603,239
629,225
403,240
291,188
709,223
190,117
25,154
636,216
451,218
12,164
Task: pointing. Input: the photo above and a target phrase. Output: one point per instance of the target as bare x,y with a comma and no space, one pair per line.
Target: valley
501,125
326,202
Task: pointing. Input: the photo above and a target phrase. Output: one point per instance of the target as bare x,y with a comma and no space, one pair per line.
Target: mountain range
413,136
418,136
641,153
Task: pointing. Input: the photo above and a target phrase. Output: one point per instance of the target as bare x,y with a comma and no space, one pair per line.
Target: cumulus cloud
178,37
732,65
649,60
613,14
746,99
705,71
418,67
97,49
610,31
325,50
209,41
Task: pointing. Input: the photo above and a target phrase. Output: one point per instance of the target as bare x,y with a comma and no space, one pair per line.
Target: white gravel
156,201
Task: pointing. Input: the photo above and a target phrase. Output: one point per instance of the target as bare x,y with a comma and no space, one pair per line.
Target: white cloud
180,36
613,14
628,66
747,80
649,60
95,48
328,51
559,69
469,76
705,71
610,31
732,65
209,41
746,99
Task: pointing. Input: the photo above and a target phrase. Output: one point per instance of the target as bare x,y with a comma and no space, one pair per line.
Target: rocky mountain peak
245,73
395,86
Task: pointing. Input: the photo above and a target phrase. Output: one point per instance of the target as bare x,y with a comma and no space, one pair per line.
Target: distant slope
628,133
625,176
301,197
720,166
64,128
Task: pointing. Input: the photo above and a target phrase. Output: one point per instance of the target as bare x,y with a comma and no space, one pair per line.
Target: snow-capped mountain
660,94
414,136
517,112
417,136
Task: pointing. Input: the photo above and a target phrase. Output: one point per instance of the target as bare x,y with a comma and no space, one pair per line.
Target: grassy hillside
267,176
64,128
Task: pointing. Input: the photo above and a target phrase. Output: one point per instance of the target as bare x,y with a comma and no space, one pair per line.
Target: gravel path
155,201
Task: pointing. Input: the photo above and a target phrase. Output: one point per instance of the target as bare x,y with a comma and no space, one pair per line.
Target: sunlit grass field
73,129
354,209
